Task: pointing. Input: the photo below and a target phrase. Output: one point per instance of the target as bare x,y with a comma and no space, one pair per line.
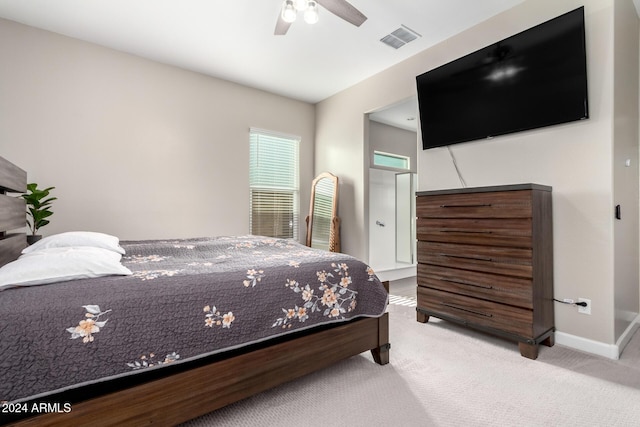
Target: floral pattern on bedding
254,277
90,325
150,361
154,274
215,318
334,298
186,299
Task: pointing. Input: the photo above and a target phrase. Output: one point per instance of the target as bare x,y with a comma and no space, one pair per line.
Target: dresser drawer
503,289
478,312
494,232
504,204
487,259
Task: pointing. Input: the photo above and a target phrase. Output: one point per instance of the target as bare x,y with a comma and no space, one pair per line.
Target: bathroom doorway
392,223
392,186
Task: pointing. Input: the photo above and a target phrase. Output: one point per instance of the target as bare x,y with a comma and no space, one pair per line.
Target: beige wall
135,148
576,159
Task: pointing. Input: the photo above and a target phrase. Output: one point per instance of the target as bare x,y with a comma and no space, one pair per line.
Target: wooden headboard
12,211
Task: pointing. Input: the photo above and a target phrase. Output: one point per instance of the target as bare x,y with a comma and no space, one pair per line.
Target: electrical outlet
587,309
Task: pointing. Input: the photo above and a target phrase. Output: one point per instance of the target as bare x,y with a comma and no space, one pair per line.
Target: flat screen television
533,79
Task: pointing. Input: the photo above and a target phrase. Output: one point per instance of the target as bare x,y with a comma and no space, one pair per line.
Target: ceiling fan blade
282,26
344,10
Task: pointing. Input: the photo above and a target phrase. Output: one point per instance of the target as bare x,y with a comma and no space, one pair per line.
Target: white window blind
274,184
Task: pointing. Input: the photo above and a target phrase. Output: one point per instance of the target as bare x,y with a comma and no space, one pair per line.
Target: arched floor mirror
323,224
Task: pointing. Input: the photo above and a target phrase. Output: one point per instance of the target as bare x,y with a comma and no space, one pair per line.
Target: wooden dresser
485,260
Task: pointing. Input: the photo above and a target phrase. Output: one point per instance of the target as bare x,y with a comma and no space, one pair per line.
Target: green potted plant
38,204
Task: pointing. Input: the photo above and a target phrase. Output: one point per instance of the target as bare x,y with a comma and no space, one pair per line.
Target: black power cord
580,303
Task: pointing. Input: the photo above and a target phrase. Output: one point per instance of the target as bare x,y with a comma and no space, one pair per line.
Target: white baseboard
610,351
628,333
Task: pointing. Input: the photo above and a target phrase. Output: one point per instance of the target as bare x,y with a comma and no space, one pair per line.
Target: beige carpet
445,375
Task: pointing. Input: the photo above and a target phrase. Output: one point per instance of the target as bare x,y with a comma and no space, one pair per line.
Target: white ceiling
234,40
403,115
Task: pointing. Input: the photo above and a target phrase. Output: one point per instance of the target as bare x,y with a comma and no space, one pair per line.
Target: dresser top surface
510,187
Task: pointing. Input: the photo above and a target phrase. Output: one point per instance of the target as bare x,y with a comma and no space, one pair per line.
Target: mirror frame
334,232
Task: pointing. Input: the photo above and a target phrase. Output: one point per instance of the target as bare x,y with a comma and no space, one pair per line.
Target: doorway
392,185
392,223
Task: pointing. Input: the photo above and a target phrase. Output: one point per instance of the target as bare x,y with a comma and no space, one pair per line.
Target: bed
194,325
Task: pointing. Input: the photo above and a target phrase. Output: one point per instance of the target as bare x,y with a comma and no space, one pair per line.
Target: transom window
389,160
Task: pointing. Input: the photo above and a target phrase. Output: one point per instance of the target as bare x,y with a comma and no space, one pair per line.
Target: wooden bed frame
188,393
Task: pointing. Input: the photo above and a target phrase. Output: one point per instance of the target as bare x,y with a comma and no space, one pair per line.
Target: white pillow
60,264
77,238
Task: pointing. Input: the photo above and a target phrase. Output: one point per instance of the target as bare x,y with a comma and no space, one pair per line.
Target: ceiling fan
341,8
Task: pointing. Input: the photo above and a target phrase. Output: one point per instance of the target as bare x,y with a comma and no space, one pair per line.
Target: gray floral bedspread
186,299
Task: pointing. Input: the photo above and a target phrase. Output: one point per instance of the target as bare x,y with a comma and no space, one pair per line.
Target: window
274,184
388,160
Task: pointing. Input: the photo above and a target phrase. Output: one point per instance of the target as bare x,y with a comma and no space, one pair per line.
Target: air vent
400,37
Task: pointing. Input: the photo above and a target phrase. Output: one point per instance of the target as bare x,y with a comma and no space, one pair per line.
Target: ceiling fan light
288,11
300,5
311,14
